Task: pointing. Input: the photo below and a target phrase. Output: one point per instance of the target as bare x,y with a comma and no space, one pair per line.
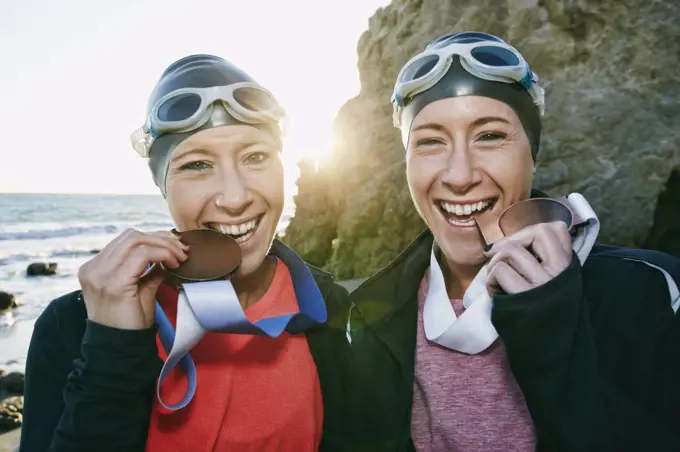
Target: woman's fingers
550,242
503,277
529,258
522,261
141,255
116,291
160,239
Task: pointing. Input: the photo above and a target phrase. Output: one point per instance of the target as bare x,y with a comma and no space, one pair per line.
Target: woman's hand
118,291
529,258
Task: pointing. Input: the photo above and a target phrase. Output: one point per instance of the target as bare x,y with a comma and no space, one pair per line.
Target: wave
45,231
31,232
22,257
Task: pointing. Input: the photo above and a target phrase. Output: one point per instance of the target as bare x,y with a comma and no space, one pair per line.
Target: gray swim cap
459,82
194,71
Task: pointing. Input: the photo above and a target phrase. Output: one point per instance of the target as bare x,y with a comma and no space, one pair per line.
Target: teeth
237,229
244,238
465,209
455,222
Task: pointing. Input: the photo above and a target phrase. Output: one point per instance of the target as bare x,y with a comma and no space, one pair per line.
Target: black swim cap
194,71
459,82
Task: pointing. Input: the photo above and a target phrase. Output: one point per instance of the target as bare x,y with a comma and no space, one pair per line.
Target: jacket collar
389,298
386,302
384,293
380,296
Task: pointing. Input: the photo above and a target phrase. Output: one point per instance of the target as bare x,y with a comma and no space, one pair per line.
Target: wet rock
42,269
11,413
8,301
11,383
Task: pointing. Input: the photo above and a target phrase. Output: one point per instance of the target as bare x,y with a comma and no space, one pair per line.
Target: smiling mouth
241,232
462,215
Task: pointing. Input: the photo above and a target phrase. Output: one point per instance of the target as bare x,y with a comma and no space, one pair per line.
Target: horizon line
78,193
289,200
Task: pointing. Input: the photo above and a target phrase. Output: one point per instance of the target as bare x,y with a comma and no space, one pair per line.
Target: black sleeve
102,401
336,351
47,367
552,351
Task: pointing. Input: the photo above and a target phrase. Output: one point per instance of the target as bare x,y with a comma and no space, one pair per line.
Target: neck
458,277
251,288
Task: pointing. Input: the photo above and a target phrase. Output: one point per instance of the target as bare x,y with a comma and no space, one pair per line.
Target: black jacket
91,388
596,352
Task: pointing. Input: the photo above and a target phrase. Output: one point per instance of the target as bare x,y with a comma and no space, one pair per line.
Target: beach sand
14,341
13,346
9,442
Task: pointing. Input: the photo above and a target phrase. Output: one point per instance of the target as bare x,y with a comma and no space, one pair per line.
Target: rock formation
11,383
611,129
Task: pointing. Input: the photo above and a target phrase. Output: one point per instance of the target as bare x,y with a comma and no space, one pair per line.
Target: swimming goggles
188,109
482,55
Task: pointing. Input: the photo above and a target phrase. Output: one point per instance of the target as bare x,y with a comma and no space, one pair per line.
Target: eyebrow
487,119
206,150
429,125
196,151
477,123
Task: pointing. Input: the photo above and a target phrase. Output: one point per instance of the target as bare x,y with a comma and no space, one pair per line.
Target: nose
233,196
461,173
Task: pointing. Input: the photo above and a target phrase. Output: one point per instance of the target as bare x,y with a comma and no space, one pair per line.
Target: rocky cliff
611,131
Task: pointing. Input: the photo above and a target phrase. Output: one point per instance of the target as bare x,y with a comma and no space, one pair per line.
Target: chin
465,259
462,253
249,265
254,257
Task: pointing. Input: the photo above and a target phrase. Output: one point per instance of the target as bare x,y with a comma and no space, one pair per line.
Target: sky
75,76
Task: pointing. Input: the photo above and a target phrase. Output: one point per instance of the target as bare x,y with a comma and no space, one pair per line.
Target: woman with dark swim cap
213,143
504,327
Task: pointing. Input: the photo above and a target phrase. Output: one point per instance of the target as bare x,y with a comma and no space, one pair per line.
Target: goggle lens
494,56
179,108
419,68
254,100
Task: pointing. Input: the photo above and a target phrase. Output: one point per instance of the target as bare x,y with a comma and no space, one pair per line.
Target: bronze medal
212,255
523,214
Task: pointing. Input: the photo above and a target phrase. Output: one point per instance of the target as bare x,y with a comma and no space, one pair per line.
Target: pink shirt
466,403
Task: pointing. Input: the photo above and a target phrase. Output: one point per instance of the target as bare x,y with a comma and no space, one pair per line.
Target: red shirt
254,393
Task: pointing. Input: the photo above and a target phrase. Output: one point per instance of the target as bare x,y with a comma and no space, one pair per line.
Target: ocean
66,229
